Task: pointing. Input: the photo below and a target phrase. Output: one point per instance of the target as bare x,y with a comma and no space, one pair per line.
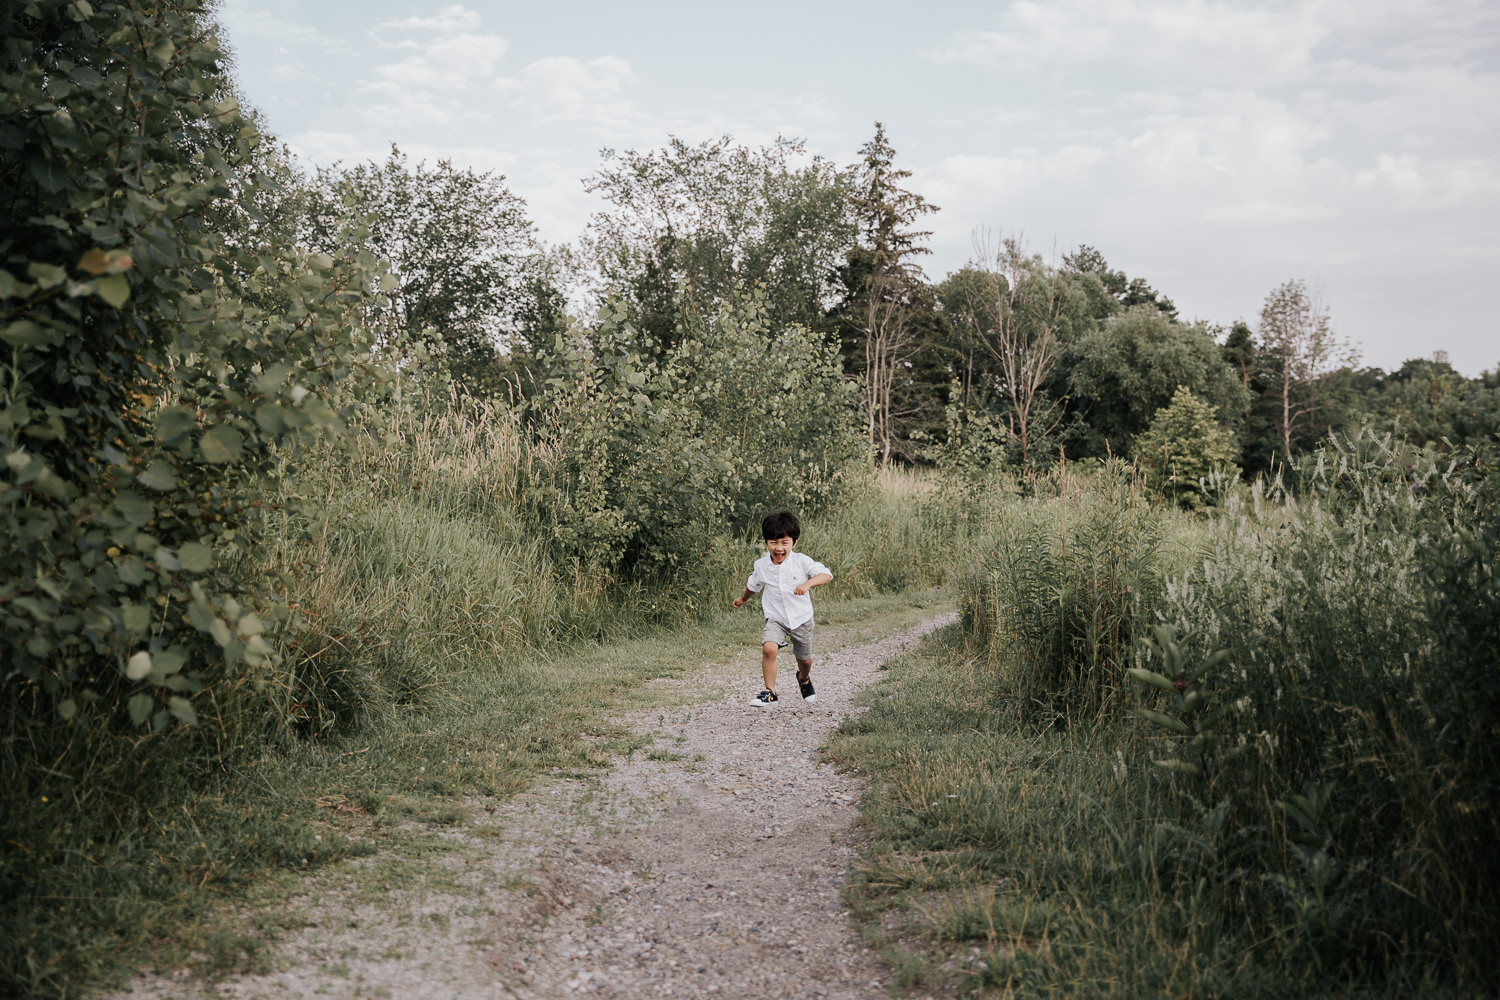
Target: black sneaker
764,699
808,694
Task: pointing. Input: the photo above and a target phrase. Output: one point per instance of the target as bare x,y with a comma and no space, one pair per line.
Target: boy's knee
770,648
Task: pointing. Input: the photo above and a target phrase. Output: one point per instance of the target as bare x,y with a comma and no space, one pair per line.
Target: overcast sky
1216,149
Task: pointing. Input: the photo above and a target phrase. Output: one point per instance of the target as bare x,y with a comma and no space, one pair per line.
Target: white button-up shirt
775,585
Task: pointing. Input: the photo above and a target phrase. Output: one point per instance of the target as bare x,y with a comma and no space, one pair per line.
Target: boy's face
780,548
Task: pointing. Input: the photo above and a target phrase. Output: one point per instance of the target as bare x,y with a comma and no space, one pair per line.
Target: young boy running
783,578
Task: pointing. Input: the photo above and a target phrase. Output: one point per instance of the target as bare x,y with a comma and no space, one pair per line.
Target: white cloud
591,92
446,57
243,21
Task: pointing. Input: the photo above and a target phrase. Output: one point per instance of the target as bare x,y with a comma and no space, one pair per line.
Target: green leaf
167,663
167,560
183,709
1180,766
25,333
1164,720
12,287
140,706
221,444
200,615
134,508
67,709
46,275
270,379
173,422
250,625
1151,677
196,557
160,476
137,617
113,288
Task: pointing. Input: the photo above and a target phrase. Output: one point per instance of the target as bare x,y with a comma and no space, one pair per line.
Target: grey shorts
800,637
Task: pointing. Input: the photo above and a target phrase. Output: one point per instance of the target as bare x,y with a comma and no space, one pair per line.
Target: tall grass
1063,587
1331,806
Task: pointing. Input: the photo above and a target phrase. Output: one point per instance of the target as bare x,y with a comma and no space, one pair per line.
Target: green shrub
640,465
163,350
1184,448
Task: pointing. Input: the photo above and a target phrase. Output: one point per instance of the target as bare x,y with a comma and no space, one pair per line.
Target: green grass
1014,862
1326,823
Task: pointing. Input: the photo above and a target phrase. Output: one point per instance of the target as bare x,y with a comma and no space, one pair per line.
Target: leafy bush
147,397
1184,448
640,465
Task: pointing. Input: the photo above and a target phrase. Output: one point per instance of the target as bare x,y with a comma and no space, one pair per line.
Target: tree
1298,349
465,265
886,306
149,399
698,227
1011,324
1120,290
1120,374
1184,445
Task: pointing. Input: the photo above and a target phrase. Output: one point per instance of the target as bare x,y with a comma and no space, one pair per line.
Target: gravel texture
708,866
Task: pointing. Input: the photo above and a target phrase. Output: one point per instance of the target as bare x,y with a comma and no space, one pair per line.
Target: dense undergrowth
1245,756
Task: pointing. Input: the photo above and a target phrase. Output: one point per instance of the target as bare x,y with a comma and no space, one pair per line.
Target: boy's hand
739,601
800,589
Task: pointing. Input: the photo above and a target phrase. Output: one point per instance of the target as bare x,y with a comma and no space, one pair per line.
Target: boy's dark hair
782,524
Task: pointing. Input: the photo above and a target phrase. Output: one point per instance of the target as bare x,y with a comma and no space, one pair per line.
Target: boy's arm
816,581
744,597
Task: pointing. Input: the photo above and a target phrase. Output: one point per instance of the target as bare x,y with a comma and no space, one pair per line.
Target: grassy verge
1250,756
1006,861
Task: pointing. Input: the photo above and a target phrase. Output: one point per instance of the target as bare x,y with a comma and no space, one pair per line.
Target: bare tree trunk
1296,329
1024,341
888,337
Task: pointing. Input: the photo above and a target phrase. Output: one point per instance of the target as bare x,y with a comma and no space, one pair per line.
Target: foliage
1427,402
1117,290
640,463
1120,375
148,397
465,269
694,228
1064,588
1184,448
1352,754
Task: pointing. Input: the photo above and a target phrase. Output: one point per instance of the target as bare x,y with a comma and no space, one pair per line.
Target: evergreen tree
887,314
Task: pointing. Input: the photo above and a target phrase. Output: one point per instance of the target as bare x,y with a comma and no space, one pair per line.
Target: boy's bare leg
804,670
768,653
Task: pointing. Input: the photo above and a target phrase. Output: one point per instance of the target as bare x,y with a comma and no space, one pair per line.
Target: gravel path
709,866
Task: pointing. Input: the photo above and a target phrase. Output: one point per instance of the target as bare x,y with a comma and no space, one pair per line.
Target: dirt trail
709,866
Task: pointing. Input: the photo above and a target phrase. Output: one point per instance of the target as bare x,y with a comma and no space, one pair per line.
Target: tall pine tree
887,316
